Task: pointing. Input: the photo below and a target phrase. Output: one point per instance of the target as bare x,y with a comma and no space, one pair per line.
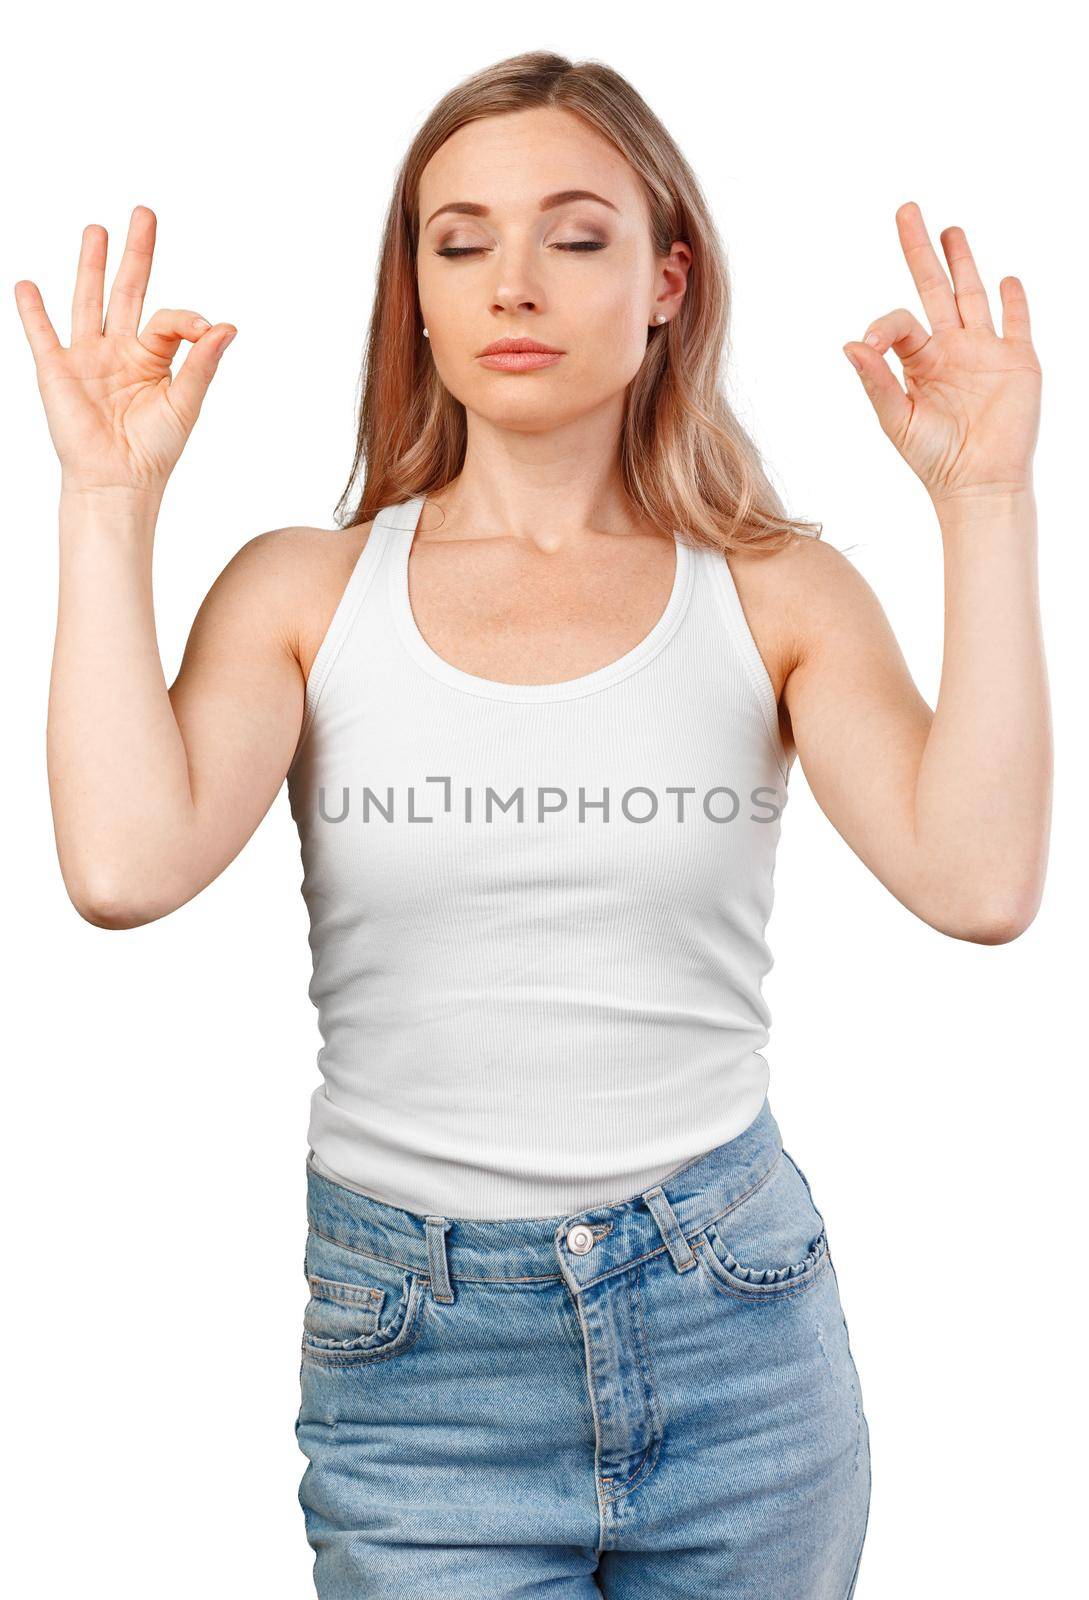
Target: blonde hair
686,462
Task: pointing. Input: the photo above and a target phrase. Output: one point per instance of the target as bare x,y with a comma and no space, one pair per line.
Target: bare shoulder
796,598
297,576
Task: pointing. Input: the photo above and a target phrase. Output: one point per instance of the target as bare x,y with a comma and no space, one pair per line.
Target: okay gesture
968,421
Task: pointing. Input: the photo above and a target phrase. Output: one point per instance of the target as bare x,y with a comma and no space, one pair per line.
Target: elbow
1000,920
103,906
997,930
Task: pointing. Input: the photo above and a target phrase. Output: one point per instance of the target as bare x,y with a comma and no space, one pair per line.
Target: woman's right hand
117,417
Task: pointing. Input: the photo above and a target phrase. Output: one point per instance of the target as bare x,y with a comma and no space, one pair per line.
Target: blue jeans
649,1399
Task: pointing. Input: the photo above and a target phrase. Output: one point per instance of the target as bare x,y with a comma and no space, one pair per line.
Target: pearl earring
659,316
426,334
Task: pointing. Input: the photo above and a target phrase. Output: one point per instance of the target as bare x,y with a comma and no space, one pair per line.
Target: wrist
115,503
975,507
122,495
124,516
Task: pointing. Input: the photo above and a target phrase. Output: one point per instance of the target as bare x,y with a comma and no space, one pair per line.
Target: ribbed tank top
537,912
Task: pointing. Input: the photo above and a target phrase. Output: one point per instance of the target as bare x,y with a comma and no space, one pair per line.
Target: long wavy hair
686,462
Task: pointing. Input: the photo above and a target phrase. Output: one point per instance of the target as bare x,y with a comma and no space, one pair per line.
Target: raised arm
156,790
153,790
950,808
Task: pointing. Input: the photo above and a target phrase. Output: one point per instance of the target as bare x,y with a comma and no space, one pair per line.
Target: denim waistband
582,1247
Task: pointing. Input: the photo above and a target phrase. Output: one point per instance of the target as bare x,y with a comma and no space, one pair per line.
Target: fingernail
874,339
226,342
853,359
202,323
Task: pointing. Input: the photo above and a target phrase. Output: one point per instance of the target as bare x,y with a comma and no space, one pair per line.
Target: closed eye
477,249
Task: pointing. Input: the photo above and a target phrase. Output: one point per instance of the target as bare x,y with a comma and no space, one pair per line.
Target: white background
157,1080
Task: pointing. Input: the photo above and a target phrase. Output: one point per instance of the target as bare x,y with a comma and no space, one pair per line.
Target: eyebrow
471,208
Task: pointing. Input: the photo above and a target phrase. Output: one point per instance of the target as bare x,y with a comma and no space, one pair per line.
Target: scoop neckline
403,521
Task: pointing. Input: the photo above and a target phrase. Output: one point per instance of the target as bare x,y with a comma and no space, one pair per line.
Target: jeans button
580,1239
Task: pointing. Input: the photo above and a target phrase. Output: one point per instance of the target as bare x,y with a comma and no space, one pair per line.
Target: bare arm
155,791
949,808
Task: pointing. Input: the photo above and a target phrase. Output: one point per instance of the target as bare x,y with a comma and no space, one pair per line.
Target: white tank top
537,912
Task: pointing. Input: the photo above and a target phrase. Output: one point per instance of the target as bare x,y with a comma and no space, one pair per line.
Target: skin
530,566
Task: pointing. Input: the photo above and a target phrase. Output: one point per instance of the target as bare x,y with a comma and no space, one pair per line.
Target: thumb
886,396
190,384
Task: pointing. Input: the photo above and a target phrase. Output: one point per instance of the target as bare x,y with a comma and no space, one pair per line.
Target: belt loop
670,1229
436,1259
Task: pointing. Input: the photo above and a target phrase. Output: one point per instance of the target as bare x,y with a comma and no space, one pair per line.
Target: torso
555,977
519,616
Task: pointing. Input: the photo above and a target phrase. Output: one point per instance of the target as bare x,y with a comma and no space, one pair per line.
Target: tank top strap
359,585
721,580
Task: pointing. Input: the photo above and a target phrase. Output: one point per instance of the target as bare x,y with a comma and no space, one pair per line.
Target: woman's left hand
967,424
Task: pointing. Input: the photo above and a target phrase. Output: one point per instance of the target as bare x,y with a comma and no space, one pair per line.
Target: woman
573,1322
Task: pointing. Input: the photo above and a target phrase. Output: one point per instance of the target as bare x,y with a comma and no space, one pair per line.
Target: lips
517,346
521,360
519,355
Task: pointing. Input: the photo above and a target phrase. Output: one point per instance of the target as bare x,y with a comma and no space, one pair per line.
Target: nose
511,303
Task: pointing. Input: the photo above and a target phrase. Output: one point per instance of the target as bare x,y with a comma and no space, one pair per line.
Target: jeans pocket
361,1307
771,1242
341,1314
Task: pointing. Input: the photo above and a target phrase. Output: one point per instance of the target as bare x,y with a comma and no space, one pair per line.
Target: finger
130,285
897,330
39,330
187,390
166,330
967,285
1015,311
935,290
90,274
886,395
